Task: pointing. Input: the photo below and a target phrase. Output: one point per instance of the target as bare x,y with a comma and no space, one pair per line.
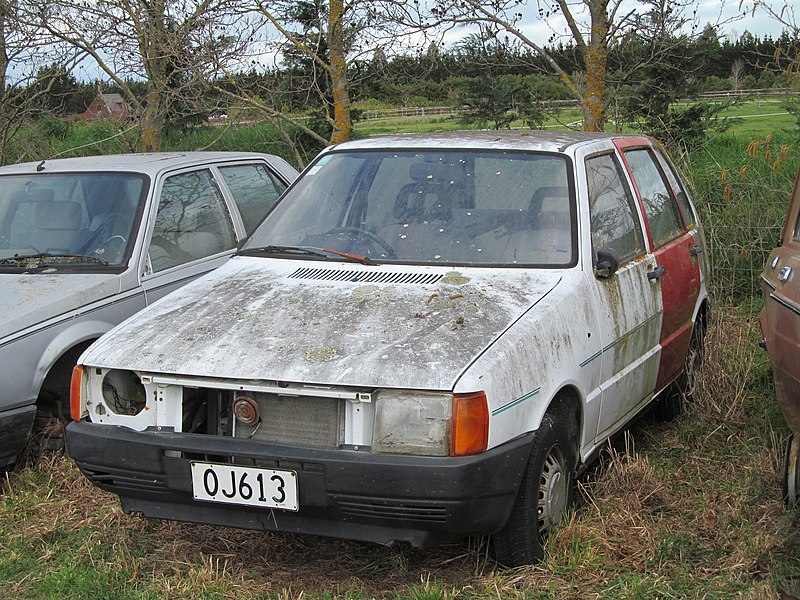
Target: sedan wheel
544,496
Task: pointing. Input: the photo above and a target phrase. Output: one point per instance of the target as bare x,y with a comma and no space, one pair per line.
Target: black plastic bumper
342,493
15,429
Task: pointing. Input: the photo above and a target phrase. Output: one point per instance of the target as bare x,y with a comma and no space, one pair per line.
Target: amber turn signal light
75,408
469,427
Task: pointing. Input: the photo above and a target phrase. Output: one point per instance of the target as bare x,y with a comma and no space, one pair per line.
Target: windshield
431,207
68,219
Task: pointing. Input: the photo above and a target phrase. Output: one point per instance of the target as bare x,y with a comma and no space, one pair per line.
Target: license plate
251,486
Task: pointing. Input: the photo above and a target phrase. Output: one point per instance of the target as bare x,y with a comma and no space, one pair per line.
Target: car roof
530,139
150,163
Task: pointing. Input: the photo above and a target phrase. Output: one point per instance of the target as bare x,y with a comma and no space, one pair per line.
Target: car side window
659,204
192,221
254,189
614,220
680,191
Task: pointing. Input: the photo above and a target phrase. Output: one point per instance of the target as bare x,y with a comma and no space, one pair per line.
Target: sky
734,19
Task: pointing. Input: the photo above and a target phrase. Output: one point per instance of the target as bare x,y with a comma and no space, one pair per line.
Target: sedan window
70,216
192,221
659,205
614,220
254,190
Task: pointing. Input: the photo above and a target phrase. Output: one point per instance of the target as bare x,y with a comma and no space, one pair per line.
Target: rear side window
659,205
192,221
254,189
680,190
614,221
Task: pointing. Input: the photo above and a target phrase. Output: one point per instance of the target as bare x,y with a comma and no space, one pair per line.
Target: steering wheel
111,239
374,237
111,248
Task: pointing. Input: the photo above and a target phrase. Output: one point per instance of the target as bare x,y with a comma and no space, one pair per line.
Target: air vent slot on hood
364,276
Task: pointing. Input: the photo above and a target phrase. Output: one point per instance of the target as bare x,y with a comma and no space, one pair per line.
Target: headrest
436,173
549,191
58,215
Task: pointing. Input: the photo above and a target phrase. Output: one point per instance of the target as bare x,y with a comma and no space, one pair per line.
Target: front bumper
342,493
15,429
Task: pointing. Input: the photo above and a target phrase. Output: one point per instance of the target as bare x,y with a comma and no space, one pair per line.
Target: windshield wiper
305,251
290,250
364,260
36,260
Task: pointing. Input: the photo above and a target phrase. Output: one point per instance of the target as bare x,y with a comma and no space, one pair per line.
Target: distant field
752,117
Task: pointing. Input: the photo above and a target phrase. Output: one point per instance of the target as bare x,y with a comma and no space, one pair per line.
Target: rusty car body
780,324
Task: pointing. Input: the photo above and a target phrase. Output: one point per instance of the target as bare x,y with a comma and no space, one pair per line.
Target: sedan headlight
429,423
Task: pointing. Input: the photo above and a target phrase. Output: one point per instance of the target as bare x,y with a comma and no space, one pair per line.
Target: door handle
656,273
695,250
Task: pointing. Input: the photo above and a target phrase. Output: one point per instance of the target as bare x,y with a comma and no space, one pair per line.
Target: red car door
675,245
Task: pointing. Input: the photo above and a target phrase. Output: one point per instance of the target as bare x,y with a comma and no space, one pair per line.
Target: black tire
791,471
545,494
681,391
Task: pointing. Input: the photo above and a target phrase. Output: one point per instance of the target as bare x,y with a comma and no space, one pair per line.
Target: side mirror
606,263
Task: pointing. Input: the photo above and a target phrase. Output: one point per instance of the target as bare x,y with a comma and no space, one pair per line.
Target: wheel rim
553,492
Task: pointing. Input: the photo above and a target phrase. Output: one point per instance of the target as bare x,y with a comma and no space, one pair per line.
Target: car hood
326,324
30,298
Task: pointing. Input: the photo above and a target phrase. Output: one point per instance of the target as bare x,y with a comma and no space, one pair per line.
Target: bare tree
29,65
737,72
171,45
595,27
329,37
605,23
787,57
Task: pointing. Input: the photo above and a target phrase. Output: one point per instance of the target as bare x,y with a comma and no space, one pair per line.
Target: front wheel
791,471
543,498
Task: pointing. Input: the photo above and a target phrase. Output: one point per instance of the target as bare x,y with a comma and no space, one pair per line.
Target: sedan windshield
68,219
465,207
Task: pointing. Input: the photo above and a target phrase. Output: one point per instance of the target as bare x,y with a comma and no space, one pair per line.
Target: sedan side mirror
606,263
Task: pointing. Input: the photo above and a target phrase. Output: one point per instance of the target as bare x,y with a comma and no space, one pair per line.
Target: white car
427,338
87,242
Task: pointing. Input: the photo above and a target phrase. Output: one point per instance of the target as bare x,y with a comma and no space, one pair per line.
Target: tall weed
742,189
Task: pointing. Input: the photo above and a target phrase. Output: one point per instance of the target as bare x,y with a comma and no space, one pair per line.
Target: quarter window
192,221
659,205
614,220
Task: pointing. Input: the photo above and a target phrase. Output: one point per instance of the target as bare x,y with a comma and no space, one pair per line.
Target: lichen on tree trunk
342,125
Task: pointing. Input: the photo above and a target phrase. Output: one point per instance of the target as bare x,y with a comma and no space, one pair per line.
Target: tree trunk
594,110
342,125
151,122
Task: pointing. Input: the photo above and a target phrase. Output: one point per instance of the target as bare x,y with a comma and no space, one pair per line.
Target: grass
688,509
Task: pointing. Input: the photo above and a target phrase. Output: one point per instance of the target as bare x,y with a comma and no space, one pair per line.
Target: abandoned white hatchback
427,338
